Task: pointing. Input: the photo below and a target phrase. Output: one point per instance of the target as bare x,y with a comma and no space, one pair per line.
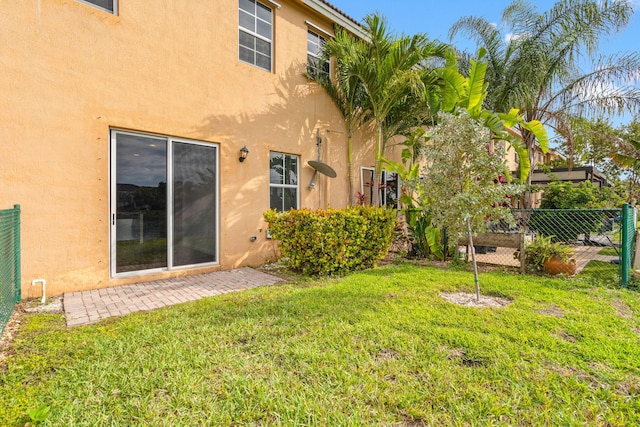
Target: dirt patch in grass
571,372
630,386
470,300
622,309
460,355
565,336
552,310
387,354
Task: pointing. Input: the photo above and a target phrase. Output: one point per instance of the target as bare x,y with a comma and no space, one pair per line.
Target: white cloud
511,37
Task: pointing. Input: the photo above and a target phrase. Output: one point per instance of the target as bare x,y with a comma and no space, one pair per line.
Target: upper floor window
255,33
108,5
316,66
283,181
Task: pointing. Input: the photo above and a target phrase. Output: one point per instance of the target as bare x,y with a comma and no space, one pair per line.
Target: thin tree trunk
473,261
631,183
350,169
530,143
377,172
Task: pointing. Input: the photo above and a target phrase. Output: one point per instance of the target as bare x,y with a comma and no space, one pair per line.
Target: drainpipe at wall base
44,288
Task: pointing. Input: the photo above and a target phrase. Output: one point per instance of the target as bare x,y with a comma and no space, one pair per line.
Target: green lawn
380,347
609,252
601,272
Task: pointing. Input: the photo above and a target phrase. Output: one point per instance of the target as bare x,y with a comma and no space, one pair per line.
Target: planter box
501,240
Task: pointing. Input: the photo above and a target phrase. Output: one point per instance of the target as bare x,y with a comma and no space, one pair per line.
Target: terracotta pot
557,266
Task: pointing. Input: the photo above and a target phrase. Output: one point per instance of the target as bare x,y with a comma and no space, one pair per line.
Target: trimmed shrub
333,241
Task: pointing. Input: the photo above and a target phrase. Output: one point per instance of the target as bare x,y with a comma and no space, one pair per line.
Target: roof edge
337,16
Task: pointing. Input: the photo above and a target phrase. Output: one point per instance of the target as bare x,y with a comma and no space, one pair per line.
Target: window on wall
108,5
255,33
316,66
283,181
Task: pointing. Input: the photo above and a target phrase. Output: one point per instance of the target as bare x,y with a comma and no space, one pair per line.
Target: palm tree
536,69
346,92
390,70
459,93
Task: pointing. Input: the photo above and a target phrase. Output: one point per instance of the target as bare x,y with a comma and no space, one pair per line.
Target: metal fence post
16,247
628,228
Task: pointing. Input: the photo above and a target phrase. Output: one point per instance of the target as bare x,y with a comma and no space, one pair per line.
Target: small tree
463,179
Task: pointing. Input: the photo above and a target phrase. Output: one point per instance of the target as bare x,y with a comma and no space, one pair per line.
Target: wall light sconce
243,153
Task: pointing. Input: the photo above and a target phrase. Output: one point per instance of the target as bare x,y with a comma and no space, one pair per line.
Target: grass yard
380,347
601,272
609,252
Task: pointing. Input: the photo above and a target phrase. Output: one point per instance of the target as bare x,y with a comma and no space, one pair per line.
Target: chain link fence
599,241
9,263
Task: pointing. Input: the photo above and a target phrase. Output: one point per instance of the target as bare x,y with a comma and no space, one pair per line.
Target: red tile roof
341,12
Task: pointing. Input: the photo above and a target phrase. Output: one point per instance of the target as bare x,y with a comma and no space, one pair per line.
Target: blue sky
436,17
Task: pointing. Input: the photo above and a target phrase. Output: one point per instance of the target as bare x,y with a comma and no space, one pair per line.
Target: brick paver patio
84,307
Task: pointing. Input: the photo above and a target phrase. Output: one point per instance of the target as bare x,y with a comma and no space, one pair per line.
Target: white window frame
113,12
312,31
258,36
285,186
113,203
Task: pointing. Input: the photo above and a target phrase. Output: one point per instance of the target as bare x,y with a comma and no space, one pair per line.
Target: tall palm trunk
350,168
377,172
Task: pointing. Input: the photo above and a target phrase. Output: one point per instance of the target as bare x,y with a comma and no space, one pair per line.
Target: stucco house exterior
123,123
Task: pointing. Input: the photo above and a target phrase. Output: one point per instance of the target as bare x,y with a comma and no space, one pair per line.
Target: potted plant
552,258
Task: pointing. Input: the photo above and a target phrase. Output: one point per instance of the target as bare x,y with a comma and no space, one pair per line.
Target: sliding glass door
164,203
194,204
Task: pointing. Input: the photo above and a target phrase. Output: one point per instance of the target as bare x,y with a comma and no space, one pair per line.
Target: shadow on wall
287,121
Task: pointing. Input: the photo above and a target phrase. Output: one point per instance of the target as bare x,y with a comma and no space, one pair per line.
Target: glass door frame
170,195
382,193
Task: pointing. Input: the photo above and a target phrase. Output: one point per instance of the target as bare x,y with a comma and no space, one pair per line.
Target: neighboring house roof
575,175
336,15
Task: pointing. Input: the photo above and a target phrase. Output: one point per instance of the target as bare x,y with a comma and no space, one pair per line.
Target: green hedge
333,241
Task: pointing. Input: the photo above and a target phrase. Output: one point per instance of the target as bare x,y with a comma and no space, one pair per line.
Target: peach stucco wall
70,72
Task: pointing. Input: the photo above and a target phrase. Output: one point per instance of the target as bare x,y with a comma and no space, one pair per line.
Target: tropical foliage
536,69
542,249
391,71
627,155
566,195
593,142
461,181
346,92
469,94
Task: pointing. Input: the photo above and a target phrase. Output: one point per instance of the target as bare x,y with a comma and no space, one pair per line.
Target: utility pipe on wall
44,288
